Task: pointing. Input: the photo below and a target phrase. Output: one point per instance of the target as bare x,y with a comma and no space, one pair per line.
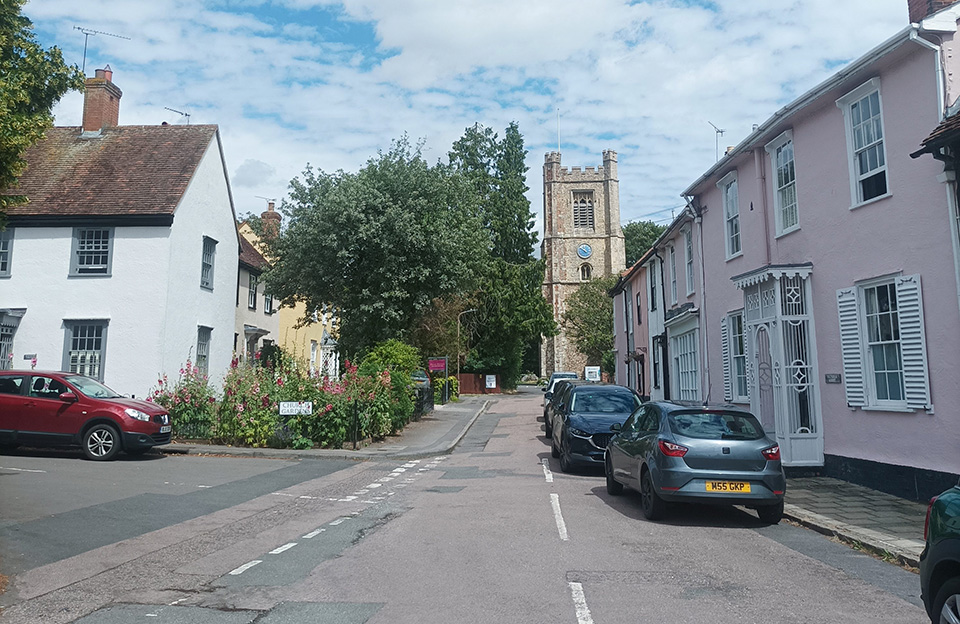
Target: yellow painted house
315,343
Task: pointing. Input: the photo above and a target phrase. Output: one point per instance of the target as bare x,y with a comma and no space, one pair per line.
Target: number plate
165,429
737,487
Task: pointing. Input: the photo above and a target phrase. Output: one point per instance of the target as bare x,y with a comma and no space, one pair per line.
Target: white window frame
204,338
208,255
781,188
251,291
688,259
685,370
673,275
6,252
102,269
730,198
736,379
867,344
859,380
846,104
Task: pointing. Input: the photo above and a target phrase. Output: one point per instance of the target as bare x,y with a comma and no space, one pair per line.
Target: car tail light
926,521
772,453
672,450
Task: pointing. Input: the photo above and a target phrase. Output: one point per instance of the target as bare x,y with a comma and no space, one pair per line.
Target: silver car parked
687,453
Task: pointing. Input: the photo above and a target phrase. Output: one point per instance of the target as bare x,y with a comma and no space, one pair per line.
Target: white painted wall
152,299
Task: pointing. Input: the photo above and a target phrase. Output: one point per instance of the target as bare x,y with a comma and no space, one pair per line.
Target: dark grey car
672,452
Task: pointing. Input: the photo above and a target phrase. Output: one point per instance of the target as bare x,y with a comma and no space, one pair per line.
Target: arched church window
583,210
585,272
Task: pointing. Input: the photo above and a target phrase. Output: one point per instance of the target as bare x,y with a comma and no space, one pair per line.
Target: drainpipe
938,67
762,194
703,304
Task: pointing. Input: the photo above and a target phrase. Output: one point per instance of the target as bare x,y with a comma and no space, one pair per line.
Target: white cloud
289,84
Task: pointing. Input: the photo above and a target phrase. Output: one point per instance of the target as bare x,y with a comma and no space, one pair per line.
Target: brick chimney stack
921,9
271,221
101,101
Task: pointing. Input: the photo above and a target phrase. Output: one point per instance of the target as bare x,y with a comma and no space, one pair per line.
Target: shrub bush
191,402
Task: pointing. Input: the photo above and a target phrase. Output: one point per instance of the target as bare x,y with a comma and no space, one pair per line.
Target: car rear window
10,385
711,425
603,402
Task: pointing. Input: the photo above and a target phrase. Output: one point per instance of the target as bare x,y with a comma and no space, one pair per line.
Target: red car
43,408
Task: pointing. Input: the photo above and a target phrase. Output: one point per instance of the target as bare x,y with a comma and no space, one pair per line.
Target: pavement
882,524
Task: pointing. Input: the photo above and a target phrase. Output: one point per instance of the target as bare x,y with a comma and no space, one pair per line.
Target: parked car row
44,408
668,451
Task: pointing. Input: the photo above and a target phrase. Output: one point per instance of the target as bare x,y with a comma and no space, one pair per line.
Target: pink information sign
437,365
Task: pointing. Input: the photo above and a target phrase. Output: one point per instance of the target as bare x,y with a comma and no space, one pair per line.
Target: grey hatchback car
688,453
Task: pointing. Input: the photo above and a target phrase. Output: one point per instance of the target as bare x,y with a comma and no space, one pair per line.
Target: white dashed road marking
546,471
561,525
580,602
22,469
313,534
245,567
285,547
338,521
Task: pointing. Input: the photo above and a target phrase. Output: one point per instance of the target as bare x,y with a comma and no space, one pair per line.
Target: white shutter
913,344
725,350
850,346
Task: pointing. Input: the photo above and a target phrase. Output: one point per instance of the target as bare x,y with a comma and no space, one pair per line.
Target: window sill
872,201
207,288
735,256
795,228
87,275
903,409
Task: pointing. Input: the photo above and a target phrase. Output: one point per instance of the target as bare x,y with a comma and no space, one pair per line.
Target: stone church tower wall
582,239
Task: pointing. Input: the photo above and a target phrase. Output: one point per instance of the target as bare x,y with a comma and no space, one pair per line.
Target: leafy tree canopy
588,319
639,236
32,80
511,309
378,245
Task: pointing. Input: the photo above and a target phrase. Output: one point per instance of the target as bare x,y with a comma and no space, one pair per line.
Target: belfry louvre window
583,210
92,251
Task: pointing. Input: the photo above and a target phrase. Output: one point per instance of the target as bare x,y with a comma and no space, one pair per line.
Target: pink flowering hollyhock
211,400
240,408
280,381
181,371
256,355
265,401
370,396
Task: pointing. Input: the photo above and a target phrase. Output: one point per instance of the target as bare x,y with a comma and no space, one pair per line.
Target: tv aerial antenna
719,133
266,199
185,115
86,35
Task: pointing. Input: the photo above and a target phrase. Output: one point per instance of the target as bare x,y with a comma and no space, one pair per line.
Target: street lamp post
458,341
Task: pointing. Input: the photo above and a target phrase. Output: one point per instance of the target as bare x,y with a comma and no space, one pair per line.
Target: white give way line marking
580,602
561,525
546,471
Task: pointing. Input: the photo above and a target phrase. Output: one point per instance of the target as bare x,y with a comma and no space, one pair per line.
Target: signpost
591,373
293,408
436,365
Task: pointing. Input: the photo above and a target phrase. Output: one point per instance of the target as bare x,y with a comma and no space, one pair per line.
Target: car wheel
554,451
614,487
771,514
101,443
565,464
946,606
652,506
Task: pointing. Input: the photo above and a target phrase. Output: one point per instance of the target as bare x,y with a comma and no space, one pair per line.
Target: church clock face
584,251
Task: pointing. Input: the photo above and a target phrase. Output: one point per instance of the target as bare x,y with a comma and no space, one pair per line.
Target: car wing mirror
68,397
616,427
543,389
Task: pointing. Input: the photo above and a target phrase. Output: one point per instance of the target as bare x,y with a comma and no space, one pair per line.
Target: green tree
511,309
378,245
588,320
639,236
32,80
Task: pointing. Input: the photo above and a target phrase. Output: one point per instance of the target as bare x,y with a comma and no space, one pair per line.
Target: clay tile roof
947,132
250,257
126,170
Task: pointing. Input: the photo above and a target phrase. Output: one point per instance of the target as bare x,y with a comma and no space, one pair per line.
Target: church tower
582,240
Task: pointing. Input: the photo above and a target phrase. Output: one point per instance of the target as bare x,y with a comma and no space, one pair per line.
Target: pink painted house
813,277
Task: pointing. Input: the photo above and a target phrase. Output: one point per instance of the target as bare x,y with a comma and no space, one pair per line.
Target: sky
330,82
